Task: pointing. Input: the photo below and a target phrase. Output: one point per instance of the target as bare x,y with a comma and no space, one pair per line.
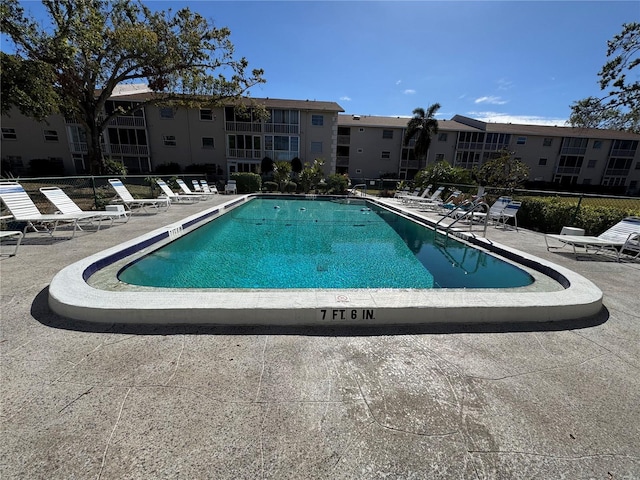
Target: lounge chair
231,187
187,191
65,205
429,202
623,236
509,212
142,203
174,197
495,210
9,234
414,196
23,209
208,189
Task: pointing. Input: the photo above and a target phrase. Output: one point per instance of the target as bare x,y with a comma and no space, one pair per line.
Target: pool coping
71,296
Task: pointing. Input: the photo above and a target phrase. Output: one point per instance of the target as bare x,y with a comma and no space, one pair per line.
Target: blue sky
502,61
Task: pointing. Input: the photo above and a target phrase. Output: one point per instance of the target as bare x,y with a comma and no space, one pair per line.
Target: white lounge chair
623,236
10,234
231,187
175,197
509,212
414,196
142,203
429,202
495,210
208,189
23,209
187,191
65,205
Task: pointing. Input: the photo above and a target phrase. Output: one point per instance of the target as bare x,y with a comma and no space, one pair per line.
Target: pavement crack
75,399
175,369
113,431
264,350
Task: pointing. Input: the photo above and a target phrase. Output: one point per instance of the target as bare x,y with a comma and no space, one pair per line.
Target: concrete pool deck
487,401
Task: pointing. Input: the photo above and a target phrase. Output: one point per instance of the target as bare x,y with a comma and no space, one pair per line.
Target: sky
496,61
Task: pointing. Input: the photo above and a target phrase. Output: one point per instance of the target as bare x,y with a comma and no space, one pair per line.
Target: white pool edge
72,297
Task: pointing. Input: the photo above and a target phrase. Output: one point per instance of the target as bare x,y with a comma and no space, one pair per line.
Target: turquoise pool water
291,243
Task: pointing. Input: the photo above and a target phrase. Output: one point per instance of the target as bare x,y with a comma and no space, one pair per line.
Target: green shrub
247,182
290,187
271,186
549,215
337,184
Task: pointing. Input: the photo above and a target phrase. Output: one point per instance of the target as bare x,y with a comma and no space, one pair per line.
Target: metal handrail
353,189
466,213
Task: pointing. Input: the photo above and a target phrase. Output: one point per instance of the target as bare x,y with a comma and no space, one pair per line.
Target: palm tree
422,126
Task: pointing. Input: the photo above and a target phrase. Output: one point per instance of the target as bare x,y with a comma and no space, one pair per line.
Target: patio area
515,400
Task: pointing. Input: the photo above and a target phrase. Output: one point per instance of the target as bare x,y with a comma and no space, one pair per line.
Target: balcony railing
573,151
243,127
127,122
243,153
281,128
123,149
617,172
470,145
281,155
568,170
622,153
342,161
78,147
344,139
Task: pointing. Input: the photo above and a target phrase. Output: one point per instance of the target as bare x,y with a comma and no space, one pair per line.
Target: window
439,157
597,144
638,166
442,137
207,142
166,112
592,163
206,114
169,140
542,161
9,134
521,140
317,120
50,135
387,134
586,181
385,155
547,142
316,147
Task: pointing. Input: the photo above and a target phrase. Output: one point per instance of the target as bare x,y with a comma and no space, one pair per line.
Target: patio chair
199,187
428,202
9,234
414,196
175,197
510,211
623,236
187,191
23,209
141,203
231,187
208,189
495,210
65,205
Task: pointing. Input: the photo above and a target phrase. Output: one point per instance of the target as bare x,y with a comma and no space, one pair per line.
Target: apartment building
369,146
221,139
225,141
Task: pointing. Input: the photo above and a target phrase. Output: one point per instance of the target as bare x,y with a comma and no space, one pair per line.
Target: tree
619,108
441,173
94,45
282,174
422,126
504,172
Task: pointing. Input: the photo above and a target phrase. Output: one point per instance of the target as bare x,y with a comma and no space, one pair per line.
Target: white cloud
504,84
345,99
409,91
491,100
496,117
398,82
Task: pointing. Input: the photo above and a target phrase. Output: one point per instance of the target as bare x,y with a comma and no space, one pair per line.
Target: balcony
470,145
342,161
281,128
244,153
127,122
568,170
344,139
243,127
413,164
616,172
281,155
622,153
78,147
123,149
573,151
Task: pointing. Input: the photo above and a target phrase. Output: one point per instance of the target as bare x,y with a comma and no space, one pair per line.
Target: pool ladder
353,189
466,214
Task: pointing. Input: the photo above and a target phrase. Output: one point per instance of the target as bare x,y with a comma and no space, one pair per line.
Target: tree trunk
94,150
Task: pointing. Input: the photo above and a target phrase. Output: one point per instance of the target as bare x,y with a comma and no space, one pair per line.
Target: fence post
575,212
95,194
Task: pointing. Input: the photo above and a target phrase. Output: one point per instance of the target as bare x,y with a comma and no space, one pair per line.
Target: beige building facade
223,141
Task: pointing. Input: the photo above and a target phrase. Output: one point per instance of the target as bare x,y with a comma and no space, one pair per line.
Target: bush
337,184
271,186
247,182
168,169
290,187
549,215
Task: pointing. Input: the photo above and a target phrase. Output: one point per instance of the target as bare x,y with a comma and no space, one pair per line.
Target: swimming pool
90,290
277,243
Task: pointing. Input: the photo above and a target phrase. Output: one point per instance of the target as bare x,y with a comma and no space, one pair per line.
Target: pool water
290,243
